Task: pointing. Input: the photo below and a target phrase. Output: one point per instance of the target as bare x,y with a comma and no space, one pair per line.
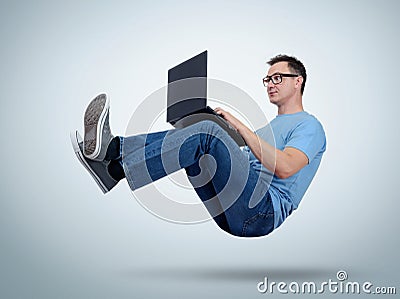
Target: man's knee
209,126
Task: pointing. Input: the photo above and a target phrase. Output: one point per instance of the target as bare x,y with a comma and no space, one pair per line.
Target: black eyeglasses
276,78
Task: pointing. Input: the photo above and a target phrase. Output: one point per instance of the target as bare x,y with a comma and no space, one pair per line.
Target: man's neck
290,109
294,105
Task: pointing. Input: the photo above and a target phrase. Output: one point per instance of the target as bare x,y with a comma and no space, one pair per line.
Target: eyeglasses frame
269,78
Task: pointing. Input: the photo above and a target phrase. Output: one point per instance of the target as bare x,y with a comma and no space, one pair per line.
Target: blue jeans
219,171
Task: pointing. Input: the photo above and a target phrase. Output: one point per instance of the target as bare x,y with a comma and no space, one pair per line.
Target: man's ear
299,81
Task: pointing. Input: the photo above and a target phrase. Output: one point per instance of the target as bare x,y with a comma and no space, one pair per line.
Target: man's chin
273,100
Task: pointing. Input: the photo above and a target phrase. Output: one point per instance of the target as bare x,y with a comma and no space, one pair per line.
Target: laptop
187,97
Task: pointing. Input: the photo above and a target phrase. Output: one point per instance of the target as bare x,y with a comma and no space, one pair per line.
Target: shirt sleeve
308,137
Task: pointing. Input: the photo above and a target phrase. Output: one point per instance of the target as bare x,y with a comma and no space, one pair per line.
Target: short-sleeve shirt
301,131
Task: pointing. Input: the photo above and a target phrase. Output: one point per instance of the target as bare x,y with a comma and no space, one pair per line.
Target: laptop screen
187,87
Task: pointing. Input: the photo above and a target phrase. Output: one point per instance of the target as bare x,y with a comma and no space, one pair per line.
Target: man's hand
233,121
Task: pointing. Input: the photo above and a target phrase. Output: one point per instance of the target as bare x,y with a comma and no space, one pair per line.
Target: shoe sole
75,140
95,116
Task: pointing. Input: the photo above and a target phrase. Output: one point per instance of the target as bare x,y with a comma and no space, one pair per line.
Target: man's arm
283,163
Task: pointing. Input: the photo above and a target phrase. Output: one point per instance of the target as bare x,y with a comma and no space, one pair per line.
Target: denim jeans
219,171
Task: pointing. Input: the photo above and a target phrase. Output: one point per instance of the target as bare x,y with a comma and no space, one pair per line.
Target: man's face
279,93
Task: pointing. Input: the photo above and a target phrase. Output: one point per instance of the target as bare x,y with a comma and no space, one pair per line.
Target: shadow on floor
231,273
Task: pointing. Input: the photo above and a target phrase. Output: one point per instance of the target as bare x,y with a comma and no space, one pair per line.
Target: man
251,191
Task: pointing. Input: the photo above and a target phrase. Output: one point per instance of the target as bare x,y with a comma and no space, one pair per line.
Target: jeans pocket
259,225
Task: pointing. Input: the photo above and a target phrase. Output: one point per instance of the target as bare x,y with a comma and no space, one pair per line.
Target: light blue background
61,238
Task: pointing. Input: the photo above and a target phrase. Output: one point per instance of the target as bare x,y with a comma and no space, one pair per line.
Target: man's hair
294,64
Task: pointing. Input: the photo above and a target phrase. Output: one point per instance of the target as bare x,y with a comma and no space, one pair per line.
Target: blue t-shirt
303,132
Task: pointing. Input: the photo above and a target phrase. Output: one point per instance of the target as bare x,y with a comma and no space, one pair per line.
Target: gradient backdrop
61,238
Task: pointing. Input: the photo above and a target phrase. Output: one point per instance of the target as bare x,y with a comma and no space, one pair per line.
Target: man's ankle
113,150
116,170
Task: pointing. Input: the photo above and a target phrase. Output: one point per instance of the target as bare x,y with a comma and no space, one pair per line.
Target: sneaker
97,169
97,134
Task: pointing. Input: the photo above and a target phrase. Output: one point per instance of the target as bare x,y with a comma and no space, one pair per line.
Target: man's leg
250,215
233,184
